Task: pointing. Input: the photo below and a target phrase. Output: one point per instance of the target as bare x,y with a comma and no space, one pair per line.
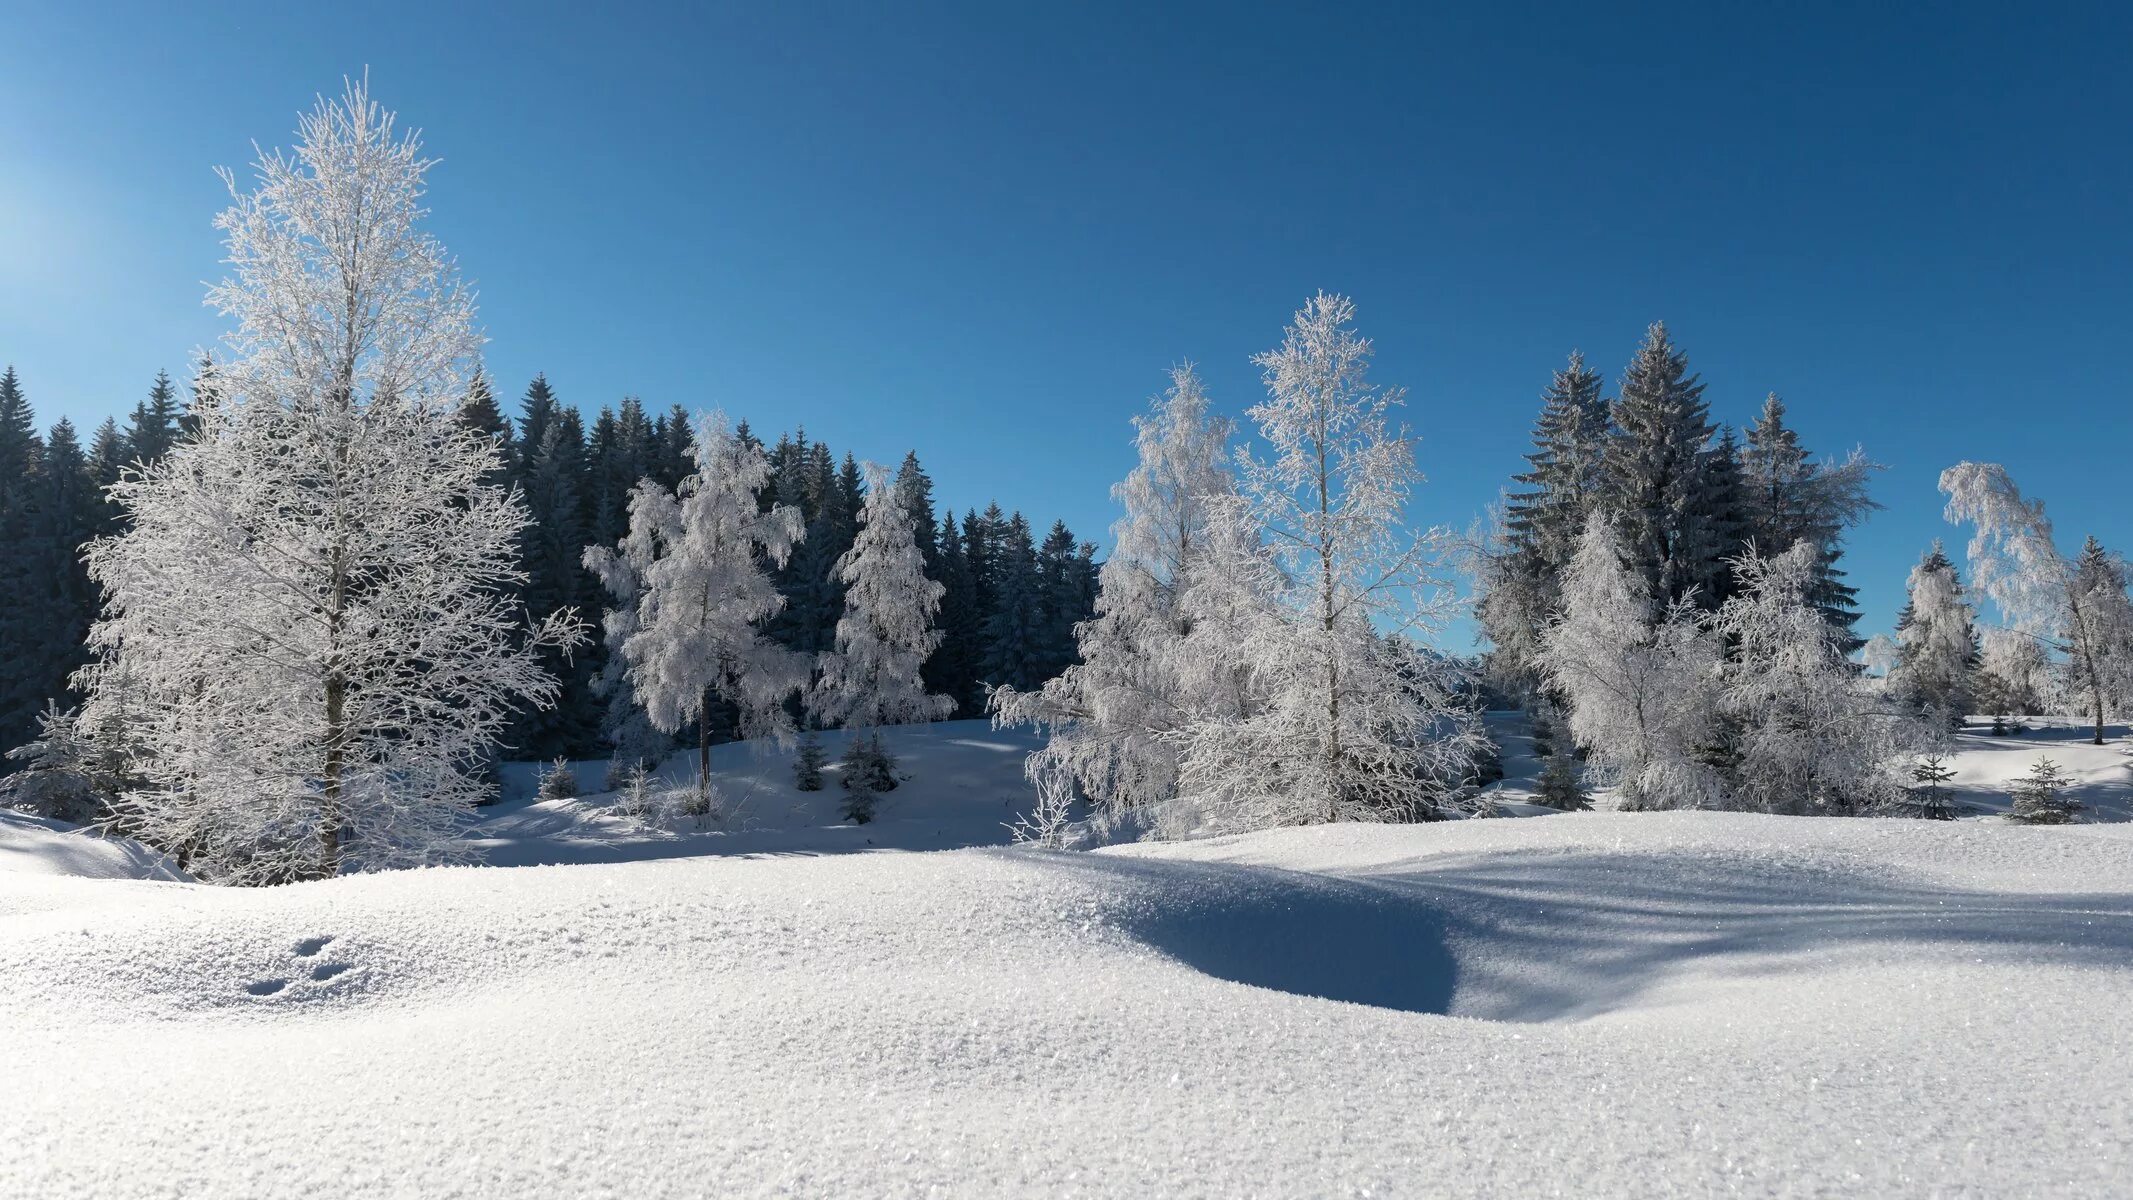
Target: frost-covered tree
309,628
700,556
2014,675
1809,735
1112,718
1936,642
2077,605
886,633
638,744
1638,679
1330,587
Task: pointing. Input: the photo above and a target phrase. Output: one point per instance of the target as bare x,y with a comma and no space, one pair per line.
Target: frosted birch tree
307,626
1638,680
1329,589
638,744
2078,606
1110,719
702,556
1810,735
886,633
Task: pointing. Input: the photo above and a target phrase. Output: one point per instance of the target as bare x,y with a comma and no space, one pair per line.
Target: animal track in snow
322,973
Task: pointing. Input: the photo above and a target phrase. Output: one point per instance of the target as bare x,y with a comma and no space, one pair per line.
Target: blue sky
986,231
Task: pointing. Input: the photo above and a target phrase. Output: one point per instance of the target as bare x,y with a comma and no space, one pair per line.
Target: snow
1598,1004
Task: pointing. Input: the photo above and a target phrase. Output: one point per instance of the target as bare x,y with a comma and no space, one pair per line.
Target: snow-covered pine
1110,717
2079,605
559,781
1561,784
637,742
700,558
1639,680
1809,735
2040,797
887,631
1326,586
309,628
1936,643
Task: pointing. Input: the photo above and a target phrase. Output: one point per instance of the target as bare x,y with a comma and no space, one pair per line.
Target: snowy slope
1639,1005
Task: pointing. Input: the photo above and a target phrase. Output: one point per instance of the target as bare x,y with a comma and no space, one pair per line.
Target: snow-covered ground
1588,1004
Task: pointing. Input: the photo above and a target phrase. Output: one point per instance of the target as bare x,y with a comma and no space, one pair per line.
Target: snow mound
36,846
1679,1004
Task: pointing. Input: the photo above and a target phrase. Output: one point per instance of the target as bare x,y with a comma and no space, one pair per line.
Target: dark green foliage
1562,785
2040,797
153,428
868,772
807,764
1659,473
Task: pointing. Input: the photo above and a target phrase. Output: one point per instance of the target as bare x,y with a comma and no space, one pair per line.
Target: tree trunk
703,750
329,826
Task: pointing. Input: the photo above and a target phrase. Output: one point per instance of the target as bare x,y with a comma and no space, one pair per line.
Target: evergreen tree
1014,630
1658,474
953,668
153,428
479,412
916,487
553,546
872,677
109,456
704,557
1931,799
1565,480
537,410
24,619
1562,785
1062,600
2040,797
807,764
1790,499
675,455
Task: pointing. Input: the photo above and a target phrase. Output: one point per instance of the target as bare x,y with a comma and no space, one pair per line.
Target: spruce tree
2040,797
1565,481
552,549
1062,597
916,488
807,764
1014,630
1791,499
953,668
24,617
1658,474
1931,799
1936,642
153,428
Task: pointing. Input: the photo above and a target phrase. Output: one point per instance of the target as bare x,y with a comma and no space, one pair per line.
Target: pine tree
1561,785
887,630
1062,600
807,764
153,427
1014,632
1931,798
953,669
24,618
1791,499
553,547
307,632
537,410
1658,474
2040,797
703,557
916,488
479,413
868,771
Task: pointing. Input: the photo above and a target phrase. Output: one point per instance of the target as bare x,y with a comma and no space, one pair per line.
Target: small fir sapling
1562,785
559,781
2040,797
1931,797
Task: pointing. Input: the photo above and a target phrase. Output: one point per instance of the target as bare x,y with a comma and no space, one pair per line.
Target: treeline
1007,614
1687,495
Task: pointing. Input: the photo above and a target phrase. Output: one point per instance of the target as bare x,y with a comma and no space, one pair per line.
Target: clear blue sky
986,231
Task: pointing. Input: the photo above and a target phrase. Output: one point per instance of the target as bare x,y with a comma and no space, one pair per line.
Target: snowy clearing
1594,1004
